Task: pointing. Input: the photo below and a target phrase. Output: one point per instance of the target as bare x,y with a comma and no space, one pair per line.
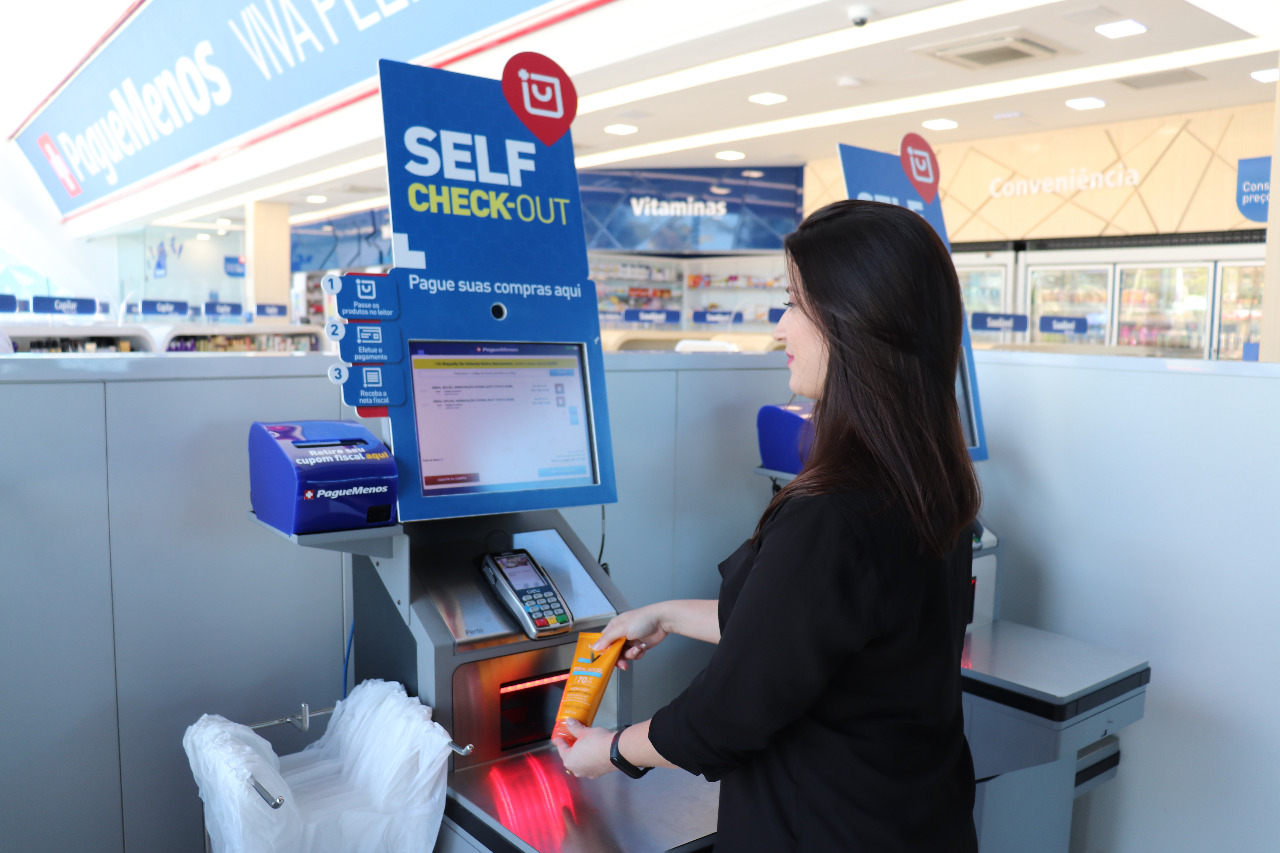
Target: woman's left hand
588,757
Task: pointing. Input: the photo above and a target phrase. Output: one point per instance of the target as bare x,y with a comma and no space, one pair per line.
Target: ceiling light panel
1266,75
940,124
767,99
730,155
621,129
340,210
1120,29
1086,103
355,167
940,100
803,50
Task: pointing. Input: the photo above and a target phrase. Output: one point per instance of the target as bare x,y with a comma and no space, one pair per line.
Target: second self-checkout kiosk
480,351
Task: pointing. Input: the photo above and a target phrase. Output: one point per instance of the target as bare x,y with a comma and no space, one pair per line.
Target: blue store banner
233,267
983,322
348,242
8,303
1253,188
183,78
272,310
691,210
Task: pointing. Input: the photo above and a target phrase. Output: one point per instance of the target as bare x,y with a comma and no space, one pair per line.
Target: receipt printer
317,476
784,436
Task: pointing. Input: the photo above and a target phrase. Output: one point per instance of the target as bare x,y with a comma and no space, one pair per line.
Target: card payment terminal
528,593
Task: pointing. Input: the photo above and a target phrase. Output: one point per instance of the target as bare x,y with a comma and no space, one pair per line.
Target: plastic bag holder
302,722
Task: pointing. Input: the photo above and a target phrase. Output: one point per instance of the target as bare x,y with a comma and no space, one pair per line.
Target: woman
830,709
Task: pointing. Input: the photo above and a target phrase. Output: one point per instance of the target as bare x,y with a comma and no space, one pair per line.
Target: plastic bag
223,755
374,782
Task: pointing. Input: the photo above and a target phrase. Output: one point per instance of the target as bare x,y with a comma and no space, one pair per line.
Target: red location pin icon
921,166
541,95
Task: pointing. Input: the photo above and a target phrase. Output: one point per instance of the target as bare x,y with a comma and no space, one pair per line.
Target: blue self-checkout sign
370,343
364,297
374,385
877,176
488,245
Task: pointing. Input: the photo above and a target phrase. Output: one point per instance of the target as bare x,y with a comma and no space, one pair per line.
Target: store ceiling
879,76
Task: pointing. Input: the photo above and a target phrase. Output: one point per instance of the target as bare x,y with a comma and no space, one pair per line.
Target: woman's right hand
642,628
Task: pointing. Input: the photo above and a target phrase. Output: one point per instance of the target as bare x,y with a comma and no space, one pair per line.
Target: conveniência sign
1074,181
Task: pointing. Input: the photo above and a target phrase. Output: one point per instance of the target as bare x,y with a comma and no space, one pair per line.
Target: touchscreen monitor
501,417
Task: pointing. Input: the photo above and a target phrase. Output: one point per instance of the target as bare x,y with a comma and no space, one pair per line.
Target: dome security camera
859,15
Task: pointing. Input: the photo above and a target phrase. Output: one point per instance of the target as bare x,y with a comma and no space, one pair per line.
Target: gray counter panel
213,613
59,752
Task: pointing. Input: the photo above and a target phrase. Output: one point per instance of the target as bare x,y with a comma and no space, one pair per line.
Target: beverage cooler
1175,301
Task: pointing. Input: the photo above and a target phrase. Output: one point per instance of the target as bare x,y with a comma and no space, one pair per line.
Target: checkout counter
1041,713
488,432
425,617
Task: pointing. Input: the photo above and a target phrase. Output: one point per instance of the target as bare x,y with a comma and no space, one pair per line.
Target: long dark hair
879,285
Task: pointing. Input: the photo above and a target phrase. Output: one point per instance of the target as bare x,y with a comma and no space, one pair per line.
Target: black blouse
830,710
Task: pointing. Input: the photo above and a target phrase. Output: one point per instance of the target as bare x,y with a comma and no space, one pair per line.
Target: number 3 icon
338,374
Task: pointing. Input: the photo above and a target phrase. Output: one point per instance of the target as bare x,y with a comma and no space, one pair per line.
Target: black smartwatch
621,763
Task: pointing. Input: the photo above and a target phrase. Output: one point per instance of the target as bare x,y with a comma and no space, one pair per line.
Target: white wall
31,231
1138,506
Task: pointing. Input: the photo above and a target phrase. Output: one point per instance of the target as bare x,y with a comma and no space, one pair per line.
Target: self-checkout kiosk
1041,709
479,356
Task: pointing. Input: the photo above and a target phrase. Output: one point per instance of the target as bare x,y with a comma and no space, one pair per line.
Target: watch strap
616,758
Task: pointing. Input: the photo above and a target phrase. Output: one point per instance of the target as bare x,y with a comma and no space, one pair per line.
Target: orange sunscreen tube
588,677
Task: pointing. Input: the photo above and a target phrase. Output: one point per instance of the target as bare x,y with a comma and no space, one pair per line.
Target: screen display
519,571
500,417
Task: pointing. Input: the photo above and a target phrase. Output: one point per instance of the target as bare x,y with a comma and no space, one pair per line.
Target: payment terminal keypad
544,607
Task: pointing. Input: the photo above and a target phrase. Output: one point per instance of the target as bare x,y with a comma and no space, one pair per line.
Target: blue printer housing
318,476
